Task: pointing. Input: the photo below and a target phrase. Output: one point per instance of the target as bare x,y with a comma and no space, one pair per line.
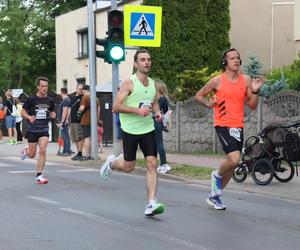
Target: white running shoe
105,169
41,180
164,169
23,153
154,207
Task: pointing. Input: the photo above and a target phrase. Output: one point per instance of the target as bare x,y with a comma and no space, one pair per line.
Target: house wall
251,22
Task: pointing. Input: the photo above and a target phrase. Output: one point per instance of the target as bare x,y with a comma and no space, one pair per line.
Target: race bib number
41,114
145,104
235,133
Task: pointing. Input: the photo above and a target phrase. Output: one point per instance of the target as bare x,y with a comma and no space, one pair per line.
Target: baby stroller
271,153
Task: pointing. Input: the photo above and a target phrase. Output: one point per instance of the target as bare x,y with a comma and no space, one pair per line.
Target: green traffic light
116,53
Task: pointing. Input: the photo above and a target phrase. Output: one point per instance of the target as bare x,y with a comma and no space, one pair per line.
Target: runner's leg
42,143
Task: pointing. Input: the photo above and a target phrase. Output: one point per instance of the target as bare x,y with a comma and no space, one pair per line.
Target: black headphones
224,59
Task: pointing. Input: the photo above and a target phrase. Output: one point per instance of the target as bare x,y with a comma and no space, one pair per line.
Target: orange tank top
229,110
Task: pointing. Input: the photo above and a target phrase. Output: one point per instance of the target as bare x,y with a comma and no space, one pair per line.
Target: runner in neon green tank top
141,96
137,103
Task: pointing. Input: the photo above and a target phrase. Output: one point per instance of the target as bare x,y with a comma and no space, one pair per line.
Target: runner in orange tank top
231,91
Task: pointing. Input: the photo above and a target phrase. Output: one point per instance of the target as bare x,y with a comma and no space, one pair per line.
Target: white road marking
16,158
127,227
44,200
4,165
77,170
22,171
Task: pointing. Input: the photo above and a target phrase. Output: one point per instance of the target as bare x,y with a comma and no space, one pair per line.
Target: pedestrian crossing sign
142,26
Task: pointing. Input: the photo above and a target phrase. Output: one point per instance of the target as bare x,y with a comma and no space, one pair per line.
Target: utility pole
92,77
115,85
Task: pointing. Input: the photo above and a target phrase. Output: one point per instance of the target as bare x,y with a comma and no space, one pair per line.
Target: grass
185,170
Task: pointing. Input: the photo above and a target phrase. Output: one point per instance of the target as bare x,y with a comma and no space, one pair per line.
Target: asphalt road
78,210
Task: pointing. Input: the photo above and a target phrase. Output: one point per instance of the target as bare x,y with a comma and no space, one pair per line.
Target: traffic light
103,54
115,40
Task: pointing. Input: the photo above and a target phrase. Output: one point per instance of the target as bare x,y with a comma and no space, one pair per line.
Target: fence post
177,127
259,115
215,142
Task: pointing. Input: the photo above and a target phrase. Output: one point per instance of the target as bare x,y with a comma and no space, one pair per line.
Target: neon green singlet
141,96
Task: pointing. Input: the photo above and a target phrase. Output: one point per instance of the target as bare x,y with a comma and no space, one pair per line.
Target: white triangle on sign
142,28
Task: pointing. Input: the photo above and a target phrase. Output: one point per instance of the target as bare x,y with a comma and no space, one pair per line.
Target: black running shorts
231,139
146,142
34,137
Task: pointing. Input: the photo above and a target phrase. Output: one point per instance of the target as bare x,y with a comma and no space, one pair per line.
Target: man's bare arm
208,88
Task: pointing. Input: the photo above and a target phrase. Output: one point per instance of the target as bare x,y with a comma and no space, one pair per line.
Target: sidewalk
290,190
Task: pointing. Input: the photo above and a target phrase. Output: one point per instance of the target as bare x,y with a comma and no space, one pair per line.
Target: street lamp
272,28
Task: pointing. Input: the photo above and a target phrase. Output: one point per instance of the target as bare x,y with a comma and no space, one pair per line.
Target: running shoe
216,184
154,207
164,169
105,169
215,202
77,157
41,180
11,142
23,153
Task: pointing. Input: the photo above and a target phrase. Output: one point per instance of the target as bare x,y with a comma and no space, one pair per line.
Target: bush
191,81
291,73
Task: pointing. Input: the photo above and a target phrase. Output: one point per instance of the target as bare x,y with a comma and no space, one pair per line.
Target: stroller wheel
284,171
240,173
262,171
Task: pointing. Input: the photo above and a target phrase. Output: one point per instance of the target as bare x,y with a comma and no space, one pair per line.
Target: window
82,43
80,80
65,83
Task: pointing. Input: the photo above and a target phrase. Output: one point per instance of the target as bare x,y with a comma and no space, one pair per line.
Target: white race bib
145,104
235,133
41,114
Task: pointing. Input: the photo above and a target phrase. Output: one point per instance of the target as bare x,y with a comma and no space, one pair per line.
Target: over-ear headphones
224,59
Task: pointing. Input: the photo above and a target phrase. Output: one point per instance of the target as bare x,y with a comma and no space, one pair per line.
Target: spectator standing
2,117
75,126
10,119
85,113
162,94
63,121
19,120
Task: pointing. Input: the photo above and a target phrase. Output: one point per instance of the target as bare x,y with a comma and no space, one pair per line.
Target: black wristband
255,93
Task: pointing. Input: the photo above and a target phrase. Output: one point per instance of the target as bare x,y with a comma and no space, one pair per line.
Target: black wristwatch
255,93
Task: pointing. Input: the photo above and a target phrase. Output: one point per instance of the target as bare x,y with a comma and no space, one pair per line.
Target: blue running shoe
215,202
216,184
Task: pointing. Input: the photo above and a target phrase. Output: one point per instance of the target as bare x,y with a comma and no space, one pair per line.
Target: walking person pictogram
144,25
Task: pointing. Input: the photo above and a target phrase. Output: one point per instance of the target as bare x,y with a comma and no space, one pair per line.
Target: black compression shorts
146,142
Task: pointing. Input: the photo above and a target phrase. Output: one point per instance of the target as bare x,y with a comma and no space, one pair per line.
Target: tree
253,67
14,43
194,34
27,40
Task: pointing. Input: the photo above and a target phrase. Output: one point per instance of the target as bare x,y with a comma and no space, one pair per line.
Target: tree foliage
190,81
290,72
194,35
27,40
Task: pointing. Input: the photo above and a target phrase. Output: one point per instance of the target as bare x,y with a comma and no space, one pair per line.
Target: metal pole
92,77
115,85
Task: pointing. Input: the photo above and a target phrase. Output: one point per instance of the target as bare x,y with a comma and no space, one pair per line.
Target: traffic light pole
115,85
92,79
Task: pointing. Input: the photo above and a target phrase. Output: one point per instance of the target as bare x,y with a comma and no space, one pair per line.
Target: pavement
289,191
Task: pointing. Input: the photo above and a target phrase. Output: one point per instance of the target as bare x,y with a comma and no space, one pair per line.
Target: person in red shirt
230,90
